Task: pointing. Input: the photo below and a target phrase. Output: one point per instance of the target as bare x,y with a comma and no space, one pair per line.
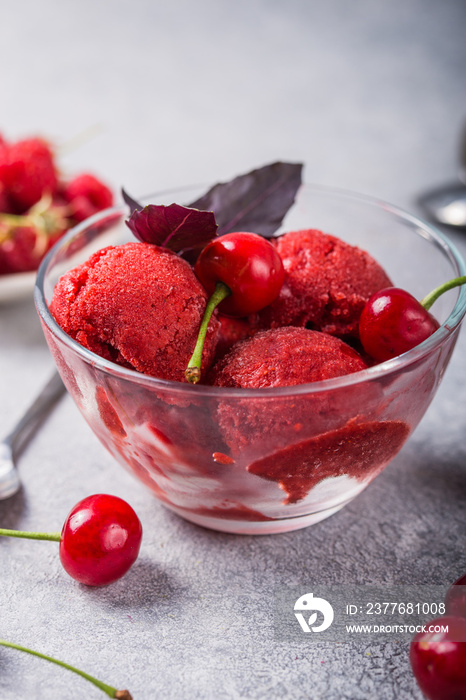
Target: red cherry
100,540
244,273
455,600
248,265
392,322
438,659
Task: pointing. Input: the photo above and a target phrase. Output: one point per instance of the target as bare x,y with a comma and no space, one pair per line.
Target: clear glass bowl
266,460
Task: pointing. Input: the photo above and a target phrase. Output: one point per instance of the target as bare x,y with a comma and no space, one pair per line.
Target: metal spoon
447,205
13,443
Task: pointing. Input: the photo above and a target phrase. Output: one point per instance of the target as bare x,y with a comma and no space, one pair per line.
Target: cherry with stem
244,273
99,541
393,321
107,689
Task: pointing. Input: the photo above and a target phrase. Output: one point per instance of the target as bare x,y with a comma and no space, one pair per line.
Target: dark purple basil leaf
133,205
175,227
256,201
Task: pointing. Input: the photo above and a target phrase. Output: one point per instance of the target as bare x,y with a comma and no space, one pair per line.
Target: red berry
392,322
5,204
26,238
87,195
455,600
248,265
3,158
27,171
438,659
100,540
21,251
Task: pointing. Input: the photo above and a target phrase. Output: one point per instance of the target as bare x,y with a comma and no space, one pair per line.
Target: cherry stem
108,689
193,370
434,295
50,536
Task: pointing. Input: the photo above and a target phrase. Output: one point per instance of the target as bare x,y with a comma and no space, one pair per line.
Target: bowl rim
376,372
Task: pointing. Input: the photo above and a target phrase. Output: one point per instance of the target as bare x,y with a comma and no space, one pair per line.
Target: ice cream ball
327,283
138,305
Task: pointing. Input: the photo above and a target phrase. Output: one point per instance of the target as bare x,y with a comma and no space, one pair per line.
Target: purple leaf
132,203
256,201
175,227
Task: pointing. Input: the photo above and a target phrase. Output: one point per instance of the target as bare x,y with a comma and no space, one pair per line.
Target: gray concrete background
371,97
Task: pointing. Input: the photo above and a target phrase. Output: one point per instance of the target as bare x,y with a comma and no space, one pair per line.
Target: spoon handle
36,413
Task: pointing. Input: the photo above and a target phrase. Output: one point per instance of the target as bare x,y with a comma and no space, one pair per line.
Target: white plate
16,286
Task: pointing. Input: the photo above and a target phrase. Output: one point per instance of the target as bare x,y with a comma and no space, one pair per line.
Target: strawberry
87,195
27,172
36,206
5,204
25,239
4,200
18,252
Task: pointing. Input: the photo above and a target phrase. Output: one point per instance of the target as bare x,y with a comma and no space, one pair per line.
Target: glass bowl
263,461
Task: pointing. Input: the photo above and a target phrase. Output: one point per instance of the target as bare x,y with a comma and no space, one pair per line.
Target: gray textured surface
371,97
